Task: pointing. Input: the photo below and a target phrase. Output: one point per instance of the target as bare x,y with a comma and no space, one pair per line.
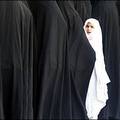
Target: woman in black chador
106,13
50,60
81,58
64,59
16,60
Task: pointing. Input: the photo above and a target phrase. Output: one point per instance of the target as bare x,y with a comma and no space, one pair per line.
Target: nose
89,29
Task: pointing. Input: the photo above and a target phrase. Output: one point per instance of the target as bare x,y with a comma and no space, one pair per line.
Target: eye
92,27
87,26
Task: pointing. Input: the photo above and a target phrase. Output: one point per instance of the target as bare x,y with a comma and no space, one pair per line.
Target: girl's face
89,28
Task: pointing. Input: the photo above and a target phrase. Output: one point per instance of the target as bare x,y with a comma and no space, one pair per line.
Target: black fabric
106,13
84,8
81,59
57,95
1,100
51,52
25,2
118,8
16,59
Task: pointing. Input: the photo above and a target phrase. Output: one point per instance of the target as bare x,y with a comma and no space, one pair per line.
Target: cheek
86,29
92,29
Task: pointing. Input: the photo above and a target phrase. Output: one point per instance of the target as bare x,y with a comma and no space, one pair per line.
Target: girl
97,94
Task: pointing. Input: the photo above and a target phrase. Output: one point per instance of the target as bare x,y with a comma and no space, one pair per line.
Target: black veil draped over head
107,14
84,8
16,60
64,63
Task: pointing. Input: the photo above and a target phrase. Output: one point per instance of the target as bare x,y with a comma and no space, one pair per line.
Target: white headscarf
95,37
99,76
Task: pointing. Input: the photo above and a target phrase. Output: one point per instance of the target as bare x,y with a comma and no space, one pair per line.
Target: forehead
90,24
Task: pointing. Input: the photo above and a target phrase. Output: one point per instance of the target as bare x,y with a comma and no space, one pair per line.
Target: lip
88,32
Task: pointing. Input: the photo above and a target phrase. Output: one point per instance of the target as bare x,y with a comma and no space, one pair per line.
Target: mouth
88,32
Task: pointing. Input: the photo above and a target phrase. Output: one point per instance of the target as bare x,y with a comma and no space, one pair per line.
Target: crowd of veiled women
46,60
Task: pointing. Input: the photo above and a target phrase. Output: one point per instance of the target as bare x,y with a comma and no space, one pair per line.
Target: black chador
50,58
84,8
25,2
107,14
16,60
118,8
1,100
81,59
56,94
